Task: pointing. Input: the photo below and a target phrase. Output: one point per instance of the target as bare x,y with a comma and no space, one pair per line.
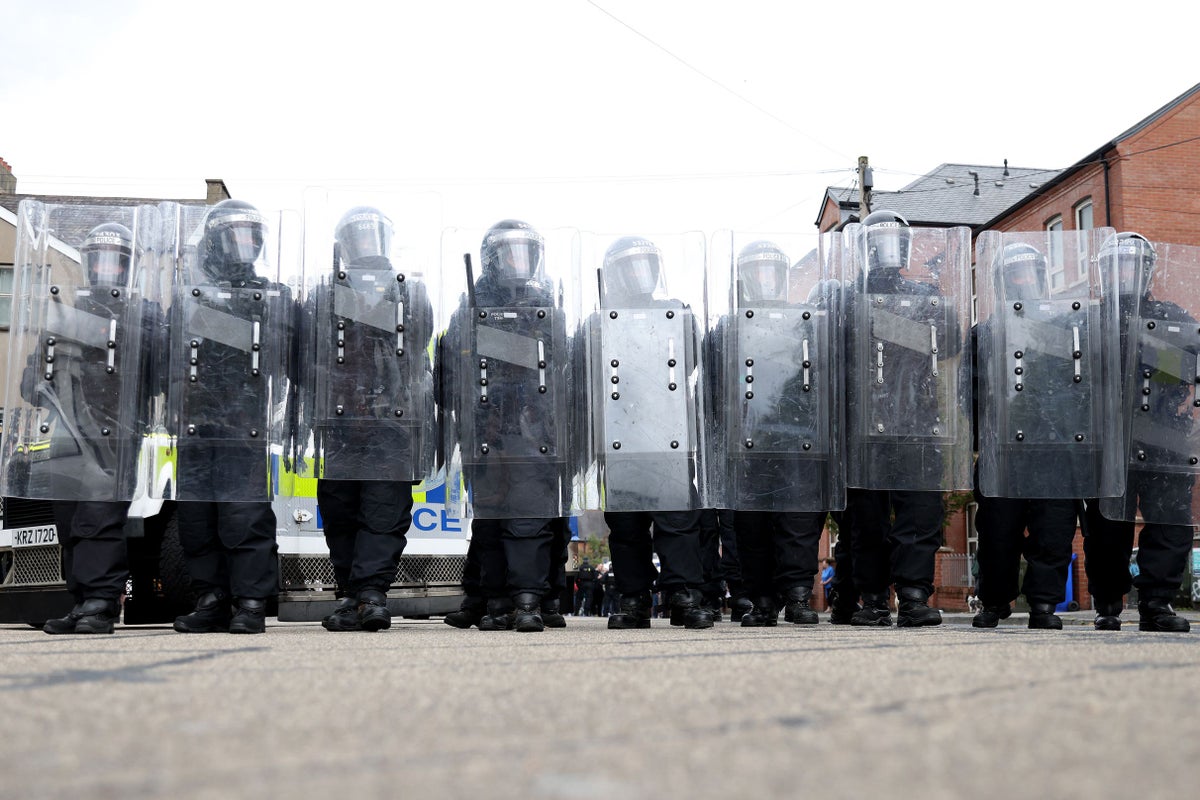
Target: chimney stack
8,181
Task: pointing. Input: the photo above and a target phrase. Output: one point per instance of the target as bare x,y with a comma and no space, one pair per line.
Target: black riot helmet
1134,256
762,273
632,267
363,232
512,253
889,239
1023,270
107,253
234,233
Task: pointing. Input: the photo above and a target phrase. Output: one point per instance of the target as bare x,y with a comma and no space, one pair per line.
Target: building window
6,290
1083,216
1056,267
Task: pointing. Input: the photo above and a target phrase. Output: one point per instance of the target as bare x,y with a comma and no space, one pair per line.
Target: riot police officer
905,336
1159,349
95,379
231,337
506,355
1036,421
783,415
651,500
372,401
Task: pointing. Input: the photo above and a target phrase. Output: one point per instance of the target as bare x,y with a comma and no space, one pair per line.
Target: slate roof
946,196
73,234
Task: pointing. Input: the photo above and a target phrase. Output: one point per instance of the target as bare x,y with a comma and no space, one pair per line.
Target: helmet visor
763,280
633,275
365,235
888,244
107,266
1022,278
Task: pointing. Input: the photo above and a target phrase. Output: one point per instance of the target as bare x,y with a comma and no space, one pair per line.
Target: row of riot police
200,355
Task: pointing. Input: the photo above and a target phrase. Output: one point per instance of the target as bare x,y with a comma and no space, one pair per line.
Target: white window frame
1056,269
1087,206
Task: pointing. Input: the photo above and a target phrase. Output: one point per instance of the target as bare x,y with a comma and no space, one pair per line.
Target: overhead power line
716,82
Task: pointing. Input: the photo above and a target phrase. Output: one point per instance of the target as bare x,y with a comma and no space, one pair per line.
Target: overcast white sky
606,115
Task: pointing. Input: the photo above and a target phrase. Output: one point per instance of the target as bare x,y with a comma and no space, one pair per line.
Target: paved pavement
424,710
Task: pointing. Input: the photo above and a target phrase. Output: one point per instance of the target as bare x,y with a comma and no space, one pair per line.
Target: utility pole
866,182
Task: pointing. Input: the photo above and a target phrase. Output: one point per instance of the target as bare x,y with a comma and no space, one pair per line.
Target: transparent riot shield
1048,366
1161,344
909,378
780,367
231,394
366,353
644,371
505,370
79,393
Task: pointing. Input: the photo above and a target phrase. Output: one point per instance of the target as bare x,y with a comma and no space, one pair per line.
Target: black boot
913,609
469,613
874,612
713,605
842,609
1156,614
499,616
344,616
64,624
686,610
1108,614
528,618
990,616
634,613
763,614
212,614
373,614
740,605
798,611
1042,617
95,615
552,617
250,617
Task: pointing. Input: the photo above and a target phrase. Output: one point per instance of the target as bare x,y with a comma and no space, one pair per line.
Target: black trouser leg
197,521
757,556
915,537
632,551
677,542
97,564
796,540
527,544
1107,546
385,513
1001,525
337,501
870,525
247,533
486,539
1051,526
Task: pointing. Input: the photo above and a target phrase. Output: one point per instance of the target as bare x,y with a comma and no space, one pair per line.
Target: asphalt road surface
427,711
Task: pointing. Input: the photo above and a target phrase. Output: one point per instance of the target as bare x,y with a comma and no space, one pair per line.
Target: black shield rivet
543,449
612,315
672,386
1017,306
541,314
749,395
541,390
806,315
674,445
616,445
616,395
749,315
